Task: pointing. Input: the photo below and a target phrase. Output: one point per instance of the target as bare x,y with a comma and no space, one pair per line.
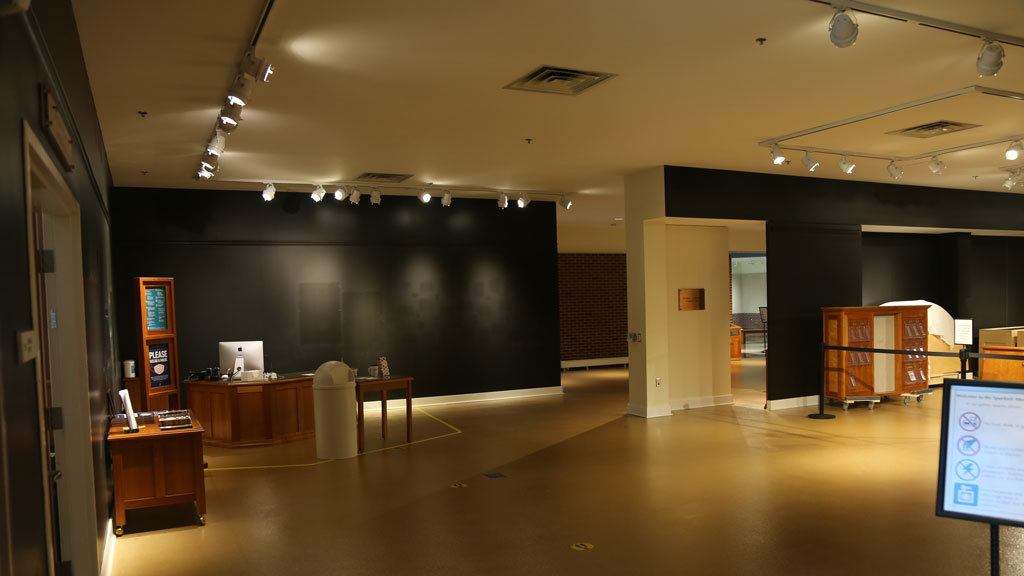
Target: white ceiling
415,87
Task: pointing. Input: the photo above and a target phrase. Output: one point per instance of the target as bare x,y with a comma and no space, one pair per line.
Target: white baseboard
798,402
463,398
649,411
109,541
700,402
565,364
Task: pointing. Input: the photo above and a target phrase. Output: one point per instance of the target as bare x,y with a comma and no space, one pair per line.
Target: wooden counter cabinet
154,467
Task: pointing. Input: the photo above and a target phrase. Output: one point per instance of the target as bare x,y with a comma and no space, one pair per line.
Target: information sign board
981,459
963,331
156,308
159,365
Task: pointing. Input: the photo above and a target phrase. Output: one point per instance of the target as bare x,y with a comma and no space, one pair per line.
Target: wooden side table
382,385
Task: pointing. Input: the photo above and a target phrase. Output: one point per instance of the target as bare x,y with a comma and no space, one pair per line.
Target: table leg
359,420
408,413
384,413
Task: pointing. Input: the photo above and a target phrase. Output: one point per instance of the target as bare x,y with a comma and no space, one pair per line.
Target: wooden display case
157,382
735,343
851,376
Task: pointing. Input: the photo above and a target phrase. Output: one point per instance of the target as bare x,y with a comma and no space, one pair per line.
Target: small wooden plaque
691,298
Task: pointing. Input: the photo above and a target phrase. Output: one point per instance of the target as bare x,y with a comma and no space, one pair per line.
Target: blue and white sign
981,464
159,365
156,308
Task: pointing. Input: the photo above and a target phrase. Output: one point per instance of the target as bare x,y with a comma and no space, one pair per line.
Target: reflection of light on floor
748,380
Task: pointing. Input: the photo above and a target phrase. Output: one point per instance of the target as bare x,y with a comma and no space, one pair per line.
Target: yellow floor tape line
319,462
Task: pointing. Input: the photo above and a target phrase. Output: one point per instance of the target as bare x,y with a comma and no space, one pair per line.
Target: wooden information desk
382,385
155,467
254,413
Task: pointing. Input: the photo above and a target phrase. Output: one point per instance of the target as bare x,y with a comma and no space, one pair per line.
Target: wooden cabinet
999,369
854,373
154,467
735,343
254,413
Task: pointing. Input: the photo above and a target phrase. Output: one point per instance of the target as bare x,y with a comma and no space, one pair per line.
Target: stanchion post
820,414
994,548
963,363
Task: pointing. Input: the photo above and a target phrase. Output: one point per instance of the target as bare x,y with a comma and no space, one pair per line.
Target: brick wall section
592,306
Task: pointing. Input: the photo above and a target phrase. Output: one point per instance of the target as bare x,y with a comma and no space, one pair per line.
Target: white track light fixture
523,201
936,165
990,59
564,202
216,145
230,116
895,172
810,163
204,174
776,155
502,200
846,166
268,192
355,195
843,29
241,90
446,200
1012,179
375,197
425,196
318,193
210,161
1013,152
339,193
258,68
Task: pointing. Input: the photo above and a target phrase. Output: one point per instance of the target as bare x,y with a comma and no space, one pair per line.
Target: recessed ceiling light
810,163
776,155
936,165
843,29
990,59
846,166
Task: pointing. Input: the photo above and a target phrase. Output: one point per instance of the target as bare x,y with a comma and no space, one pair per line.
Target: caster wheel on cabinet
871,405
920,398
119,531
202,520
906,400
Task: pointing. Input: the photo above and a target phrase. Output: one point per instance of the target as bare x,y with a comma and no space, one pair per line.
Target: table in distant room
382,385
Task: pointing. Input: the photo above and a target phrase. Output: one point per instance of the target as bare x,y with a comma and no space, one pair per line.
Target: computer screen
252,353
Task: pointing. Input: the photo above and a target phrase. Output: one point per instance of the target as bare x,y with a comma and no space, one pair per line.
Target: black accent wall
463,298
811,265
42,47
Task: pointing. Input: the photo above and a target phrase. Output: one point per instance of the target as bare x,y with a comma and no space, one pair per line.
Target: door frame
46,190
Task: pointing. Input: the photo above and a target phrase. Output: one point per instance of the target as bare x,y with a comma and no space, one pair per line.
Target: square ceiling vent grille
933,129
553,80
382,178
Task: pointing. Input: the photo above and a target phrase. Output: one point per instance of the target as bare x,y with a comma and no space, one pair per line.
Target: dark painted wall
975,275
464,298
42,46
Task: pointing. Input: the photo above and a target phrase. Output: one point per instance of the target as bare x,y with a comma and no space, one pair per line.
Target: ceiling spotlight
564,202
204,174
777,156
810,163
241,90
375,197
936,165
895,172
210,161
846,166
339,193
1014,150
446,200
990,59
354,195
523,200
425,196
268,192
216,145
230,116
318,193
1010,181
843,29
258,68
502,200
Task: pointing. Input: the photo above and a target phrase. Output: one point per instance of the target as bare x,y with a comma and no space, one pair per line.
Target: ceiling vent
552,80
382,178
933,129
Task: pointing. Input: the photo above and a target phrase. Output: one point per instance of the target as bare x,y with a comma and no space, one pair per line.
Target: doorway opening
749,287
62,390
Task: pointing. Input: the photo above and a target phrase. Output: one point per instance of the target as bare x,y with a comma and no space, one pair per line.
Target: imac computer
251,354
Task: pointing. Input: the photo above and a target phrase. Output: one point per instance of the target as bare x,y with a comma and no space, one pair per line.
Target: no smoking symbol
968,445
970,421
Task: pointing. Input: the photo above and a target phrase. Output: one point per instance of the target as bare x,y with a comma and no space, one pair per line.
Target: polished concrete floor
577,487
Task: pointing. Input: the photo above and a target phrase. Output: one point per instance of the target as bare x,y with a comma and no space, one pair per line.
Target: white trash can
334,411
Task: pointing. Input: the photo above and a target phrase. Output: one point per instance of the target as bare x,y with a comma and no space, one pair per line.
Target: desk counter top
287,378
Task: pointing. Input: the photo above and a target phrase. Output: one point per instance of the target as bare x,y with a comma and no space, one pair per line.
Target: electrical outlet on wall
28,345
657,382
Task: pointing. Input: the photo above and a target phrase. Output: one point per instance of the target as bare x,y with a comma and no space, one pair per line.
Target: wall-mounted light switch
657,382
